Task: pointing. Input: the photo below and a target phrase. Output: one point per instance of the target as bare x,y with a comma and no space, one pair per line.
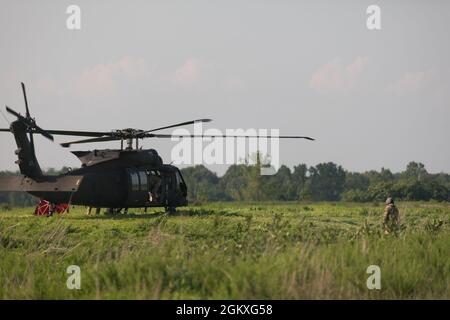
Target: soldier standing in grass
391,216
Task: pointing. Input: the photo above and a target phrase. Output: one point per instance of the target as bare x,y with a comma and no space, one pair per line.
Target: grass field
228,251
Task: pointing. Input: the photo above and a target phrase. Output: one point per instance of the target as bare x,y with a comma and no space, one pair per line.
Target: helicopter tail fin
27,160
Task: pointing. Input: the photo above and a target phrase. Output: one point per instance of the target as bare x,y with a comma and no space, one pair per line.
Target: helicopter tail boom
45,184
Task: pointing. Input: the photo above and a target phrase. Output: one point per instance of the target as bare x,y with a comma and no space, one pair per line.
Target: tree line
323,182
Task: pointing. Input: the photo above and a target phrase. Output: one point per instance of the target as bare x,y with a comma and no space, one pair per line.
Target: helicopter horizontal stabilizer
46,184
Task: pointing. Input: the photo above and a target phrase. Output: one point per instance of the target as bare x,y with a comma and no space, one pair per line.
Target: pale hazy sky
371,98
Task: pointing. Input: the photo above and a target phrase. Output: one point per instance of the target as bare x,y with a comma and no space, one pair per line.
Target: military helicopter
114,179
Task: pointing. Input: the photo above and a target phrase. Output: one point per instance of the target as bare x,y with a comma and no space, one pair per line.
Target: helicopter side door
174,191
138,190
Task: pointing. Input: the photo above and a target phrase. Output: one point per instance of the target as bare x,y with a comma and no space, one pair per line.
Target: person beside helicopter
154,185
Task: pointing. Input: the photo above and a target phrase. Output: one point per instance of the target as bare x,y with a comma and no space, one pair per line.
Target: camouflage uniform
391,216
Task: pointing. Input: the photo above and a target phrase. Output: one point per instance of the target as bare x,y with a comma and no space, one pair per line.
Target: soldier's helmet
389,201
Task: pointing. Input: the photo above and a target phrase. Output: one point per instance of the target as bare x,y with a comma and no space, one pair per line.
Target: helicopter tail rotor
28,121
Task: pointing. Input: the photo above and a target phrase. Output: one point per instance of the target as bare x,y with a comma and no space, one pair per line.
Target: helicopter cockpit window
134,181
178,178
143,180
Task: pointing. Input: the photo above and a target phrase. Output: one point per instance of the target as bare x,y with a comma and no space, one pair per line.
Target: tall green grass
228,251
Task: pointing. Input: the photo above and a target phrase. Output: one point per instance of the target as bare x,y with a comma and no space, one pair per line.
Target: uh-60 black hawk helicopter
113,179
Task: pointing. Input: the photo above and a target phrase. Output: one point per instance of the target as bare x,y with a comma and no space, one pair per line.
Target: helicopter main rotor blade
177,125
80,133
100,139
224,136
69,133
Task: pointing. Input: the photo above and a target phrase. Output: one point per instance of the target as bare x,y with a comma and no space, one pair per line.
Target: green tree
299,178
280,186
356,181
326,181
202,183
234,181
415,171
